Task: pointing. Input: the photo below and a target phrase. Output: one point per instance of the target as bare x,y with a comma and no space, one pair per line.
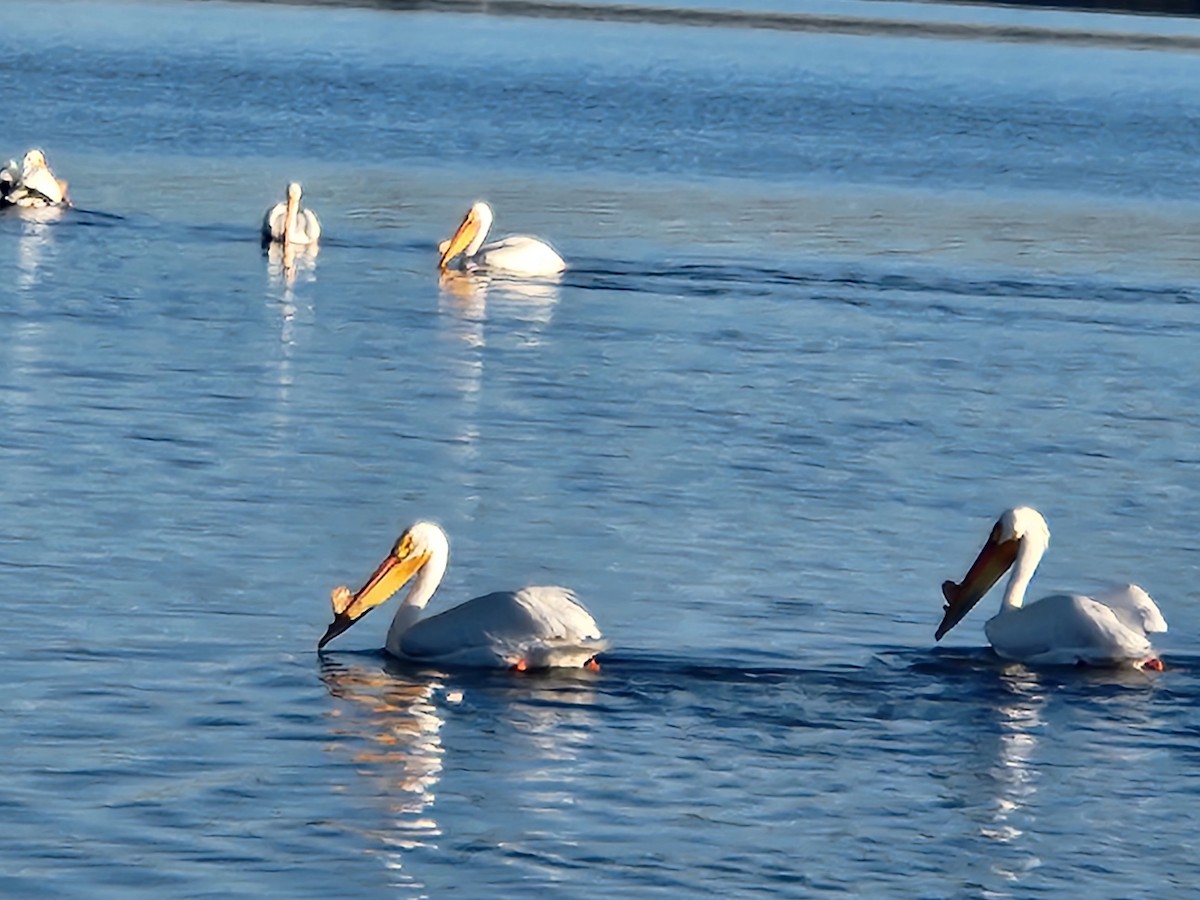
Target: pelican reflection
528,737
1014,772
35,241
287,262
390,722
529,302
536,753
473,301
470,304
554,713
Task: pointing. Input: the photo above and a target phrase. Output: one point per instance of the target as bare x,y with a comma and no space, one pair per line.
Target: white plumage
1110,628
31,184
287,223
531,628
518,254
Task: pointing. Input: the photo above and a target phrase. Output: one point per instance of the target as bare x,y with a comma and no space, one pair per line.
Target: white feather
1109,628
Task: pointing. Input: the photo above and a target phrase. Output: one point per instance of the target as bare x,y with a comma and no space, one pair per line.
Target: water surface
834,302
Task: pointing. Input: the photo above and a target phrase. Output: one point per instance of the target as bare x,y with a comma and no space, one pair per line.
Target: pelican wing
1134,608
41,181
309,225
520,254
1065,629
542,626
272,225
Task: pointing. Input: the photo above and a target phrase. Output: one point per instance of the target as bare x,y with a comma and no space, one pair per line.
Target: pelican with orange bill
1106,629
518,255
288,223
534,627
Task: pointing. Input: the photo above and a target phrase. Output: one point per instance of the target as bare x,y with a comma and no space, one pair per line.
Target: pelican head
34,159
1012,529
471,234
413,549
293,192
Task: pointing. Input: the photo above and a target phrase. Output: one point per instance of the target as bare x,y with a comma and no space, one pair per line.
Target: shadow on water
957,672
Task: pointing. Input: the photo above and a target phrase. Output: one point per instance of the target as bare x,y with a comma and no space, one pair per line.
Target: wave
749,280
957,670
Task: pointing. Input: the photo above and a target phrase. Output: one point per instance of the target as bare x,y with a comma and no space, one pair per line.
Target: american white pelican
515,255
31,184
287,223
532,628
1062,629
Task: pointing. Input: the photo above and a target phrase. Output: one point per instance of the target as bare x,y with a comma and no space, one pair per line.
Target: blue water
835,301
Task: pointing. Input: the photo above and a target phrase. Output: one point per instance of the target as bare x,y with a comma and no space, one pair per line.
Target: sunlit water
835,301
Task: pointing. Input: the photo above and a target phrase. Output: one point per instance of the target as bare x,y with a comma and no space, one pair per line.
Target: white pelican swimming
31,184
1062,629
515,255
532,628
287,223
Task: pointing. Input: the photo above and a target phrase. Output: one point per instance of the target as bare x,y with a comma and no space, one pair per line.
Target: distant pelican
1062,629
532,628
515,255
32,185
287,223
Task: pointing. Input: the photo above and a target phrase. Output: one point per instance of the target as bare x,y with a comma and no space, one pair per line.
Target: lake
838,294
